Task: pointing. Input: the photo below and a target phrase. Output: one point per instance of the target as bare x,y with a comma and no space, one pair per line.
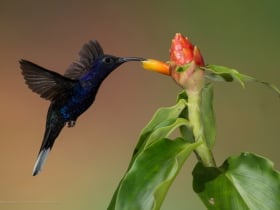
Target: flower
184,65
183,52
157,66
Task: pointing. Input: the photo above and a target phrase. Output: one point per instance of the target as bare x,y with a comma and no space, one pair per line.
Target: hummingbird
71,94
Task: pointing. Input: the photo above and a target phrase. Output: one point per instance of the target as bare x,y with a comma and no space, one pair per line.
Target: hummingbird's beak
126,59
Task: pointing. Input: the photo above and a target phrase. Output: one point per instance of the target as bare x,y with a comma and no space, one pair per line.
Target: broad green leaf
165,131
165,116
245,182
187,134
183,68
182,95
147,181
208,115
186,131
165,121
222,73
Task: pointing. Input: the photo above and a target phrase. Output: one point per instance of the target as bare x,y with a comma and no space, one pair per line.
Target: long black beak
126,59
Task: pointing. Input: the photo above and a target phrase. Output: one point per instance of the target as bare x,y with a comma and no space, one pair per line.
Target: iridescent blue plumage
70,94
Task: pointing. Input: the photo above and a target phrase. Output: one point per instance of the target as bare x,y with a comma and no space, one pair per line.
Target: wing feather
48,84
88,54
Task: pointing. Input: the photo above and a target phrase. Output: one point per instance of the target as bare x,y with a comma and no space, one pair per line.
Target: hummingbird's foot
71,123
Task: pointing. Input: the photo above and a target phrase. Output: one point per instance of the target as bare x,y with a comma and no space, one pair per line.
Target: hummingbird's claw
71,123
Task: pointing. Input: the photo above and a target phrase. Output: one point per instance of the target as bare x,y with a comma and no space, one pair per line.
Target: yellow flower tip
157,66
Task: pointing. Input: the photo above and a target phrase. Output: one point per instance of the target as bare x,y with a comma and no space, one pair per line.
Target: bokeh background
88,161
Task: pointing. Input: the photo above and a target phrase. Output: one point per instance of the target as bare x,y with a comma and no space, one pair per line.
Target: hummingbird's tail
53,128
41,159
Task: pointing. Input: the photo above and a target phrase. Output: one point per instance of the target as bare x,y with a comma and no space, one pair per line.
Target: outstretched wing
89,52
48,84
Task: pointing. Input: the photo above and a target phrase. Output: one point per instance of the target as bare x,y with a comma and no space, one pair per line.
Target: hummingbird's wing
46,83
88,54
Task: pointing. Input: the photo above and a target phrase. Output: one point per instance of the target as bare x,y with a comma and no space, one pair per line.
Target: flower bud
183,52
184,65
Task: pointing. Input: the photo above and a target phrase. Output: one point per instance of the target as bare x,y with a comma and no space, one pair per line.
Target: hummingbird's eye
107,60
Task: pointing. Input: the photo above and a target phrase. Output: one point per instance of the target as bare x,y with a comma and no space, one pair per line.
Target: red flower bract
183,52
184,65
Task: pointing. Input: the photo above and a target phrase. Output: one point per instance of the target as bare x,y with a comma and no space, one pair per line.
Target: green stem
203,151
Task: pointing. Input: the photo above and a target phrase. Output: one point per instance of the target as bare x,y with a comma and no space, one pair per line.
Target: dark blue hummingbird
70,94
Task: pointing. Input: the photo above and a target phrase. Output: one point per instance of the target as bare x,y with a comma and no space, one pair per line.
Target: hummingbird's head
110,62
93,63
105,64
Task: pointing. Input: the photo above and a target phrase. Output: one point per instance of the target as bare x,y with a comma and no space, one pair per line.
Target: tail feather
53,128
40,161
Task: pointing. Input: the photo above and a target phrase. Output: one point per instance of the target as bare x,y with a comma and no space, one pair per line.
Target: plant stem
203,152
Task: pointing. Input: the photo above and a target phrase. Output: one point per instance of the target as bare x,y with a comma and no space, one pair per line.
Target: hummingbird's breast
78,102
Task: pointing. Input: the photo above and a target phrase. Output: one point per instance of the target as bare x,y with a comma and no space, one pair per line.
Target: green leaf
148,179
186,131
187,134
165,131
183,68
243,182
155,162
208,115
164,117
182,95
222,73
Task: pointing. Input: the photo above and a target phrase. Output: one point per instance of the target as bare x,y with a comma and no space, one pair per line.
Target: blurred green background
88,161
